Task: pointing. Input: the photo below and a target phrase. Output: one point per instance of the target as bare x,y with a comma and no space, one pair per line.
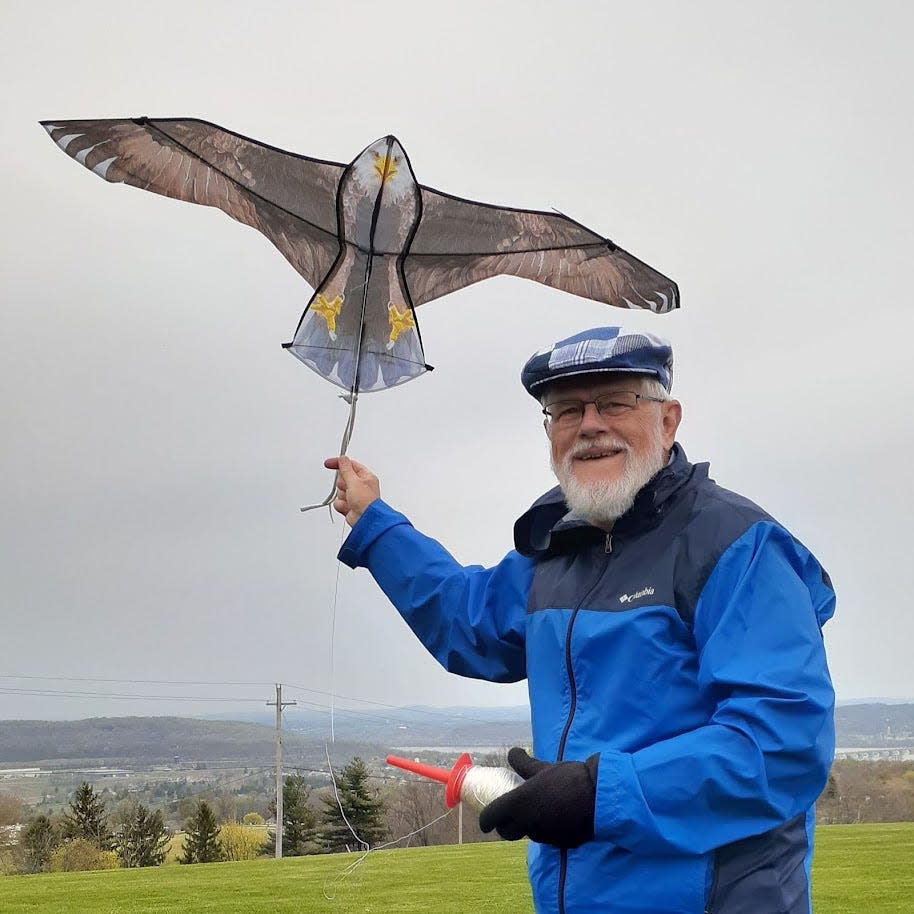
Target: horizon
239,715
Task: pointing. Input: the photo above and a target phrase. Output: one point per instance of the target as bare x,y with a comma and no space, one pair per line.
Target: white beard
601,503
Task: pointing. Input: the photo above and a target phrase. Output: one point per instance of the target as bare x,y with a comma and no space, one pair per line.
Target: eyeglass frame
585,403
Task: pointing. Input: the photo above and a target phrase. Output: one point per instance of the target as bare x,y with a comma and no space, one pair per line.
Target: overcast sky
157,441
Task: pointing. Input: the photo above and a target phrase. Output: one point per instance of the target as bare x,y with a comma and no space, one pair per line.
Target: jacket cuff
617,788
376,520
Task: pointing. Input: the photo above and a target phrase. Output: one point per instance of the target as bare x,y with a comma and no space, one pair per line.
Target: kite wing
371,241
460,242
289,198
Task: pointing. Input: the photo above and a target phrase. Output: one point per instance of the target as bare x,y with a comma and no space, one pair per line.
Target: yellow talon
328,310
400,321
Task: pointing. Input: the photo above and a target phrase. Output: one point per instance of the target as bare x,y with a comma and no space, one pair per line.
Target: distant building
8,773
877,753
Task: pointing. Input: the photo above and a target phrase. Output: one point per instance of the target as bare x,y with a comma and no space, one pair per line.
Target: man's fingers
525,765
361,470
356,487
346,466
512,831
498,813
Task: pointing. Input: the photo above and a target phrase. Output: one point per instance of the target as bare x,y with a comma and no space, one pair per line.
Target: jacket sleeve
764,755
471,619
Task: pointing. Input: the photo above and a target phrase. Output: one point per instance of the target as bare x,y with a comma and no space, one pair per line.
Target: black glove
554,805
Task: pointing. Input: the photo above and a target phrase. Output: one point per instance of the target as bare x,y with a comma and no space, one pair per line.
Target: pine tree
142,840
201,843
299,819
87,817
38,840
363,807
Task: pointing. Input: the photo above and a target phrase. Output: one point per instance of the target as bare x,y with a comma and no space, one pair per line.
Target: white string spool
477,785
481,785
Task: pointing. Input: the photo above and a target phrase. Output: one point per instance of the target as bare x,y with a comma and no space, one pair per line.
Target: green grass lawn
864,869
859,869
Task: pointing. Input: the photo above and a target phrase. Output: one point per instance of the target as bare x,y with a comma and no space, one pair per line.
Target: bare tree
12,809
413,805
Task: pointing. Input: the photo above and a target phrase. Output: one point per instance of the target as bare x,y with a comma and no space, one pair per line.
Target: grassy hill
858,868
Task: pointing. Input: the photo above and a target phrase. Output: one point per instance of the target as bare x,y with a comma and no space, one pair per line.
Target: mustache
605,442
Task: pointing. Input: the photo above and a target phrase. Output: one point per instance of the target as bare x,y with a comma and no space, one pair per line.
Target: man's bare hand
356,487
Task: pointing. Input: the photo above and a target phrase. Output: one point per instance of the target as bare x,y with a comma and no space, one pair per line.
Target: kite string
333,606
344,445
339,802
367,848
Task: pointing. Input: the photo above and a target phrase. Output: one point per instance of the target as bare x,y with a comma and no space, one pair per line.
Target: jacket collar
548,521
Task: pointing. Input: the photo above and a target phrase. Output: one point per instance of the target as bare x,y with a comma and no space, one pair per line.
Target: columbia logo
628,597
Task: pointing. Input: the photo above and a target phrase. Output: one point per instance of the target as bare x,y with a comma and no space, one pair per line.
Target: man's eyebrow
599,393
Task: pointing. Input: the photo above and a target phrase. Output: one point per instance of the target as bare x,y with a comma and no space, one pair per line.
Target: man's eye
568,410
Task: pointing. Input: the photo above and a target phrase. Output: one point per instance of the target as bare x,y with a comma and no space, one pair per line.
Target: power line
428,712
133,681
370,701
73,693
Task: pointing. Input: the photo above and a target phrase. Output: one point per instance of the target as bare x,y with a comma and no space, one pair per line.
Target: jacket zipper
573,689
709,906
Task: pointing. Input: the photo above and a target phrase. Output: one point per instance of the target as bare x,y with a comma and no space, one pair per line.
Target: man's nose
592,422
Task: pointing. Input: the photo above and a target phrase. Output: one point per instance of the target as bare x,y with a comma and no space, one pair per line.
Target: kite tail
353,399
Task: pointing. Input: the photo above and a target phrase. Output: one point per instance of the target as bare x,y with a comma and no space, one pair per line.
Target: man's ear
672,416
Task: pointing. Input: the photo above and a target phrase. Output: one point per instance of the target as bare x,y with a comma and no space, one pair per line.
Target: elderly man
670,633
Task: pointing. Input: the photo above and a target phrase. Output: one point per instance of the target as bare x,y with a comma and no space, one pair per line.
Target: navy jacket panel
767,872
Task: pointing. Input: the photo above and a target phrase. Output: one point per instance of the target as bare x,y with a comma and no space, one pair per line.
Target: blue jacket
685,648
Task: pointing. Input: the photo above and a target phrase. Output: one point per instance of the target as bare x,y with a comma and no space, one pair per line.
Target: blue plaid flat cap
603,349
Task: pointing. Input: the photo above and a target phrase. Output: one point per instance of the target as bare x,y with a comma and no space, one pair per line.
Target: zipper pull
609,544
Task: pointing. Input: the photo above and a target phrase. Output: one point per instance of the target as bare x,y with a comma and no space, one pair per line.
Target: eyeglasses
567,413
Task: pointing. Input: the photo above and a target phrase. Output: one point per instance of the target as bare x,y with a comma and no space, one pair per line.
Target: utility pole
279,704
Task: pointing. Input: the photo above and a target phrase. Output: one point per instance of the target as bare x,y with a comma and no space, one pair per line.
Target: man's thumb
525,765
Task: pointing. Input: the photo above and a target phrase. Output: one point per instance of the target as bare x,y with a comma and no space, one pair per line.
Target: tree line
353,815
864,791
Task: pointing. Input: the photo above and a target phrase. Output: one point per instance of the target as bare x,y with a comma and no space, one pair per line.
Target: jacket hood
537,531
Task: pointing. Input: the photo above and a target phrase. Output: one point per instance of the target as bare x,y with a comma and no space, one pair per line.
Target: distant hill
136,741
457,727
126,740
133,741
876,724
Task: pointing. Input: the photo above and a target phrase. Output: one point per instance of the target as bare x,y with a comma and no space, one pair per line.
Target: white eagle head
384,162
